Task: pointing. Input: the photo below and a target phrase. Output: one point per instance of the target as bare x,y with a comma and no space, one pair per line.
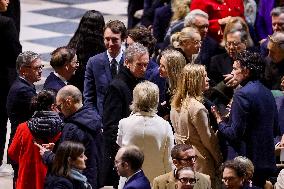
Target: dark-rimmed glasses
59,107
37,68
185,180
188,159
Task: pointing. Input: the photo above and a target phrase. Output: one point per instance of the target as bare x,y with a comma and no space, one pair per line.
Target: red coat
217,11
32,171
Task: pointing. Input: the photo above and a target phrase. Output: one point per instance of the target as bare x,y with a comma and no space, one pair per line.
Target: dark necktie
113,68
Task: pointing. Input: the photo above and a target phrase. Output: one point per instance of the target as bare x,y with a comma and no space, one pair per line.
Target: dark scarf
45,124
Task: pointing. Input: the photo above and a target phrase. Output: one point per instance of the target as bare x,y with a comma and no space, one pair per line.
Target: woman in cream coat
145,129
190,120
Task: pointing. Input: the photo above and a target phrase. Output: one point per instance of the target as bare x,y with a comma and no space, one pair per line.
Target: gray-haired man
118,99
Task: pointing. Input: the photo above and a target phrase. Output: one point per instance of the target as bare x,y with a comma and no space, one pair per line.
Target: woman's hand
216,114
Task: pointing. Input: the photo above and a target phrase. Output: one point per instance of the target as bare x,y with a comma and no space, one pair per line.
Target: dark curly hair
144,36
239,168
252,61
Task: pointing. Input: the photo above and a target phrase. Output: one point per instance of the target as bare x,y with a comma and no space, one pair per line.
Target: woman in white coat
145,129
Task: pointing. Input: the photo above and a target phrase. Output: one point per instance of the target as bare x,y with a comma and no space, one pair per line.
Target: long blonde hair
191,85
175,62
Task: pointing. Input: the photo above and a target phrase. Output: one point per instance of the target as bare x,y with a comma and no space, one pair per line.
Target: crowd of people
188,95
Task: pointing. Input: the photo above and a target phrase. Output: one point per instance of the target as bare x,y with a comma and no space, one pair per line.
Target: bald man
82,124
128,163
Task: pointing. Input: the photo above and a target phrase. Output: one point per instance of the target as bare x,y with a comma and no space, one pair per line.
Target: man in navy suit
64,62
29,68
128,163
103,67
253,119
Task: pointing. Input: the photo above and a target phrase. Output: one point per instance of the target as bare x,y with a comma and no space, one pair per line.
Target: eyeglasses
37,68
59,107
232,43
205,26
228,179
185,180
189,159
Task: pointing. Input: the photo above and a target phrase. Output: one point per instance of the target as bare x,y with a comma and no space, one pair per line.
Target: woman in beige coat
190,120
145,129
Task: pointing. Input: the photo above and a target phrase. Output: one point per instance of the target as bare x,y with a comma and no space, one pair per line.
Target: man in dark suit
10,48
222,65
64,62
251,128
209,47
128,163
103,67
117,100
29,68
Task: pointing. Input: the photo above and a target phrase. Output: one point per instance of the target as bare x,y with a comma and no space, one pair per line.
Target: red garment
32,170
217,11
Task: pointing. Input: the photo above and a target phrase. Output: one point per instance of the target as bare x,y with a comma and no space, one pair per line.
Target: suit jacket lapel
107,67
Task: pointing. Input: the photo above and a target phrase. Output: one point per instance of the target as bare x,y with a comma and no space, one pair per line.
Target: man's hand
49,146
41,148
229,80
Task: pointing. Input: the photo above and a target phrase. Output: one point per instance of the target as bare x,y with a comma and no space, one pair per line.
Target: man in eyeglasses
183,155
222,65
209,47
185,178
81,124
128,163
29,69
64,62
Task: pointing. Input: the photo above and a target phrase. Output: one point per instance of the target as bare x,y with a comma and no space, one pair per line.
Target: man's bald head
70,91
69,100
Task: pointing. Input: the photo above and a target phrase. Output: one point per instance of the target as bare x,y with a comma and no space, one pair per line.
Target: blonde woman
171,65
146,130
189,43
190,120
